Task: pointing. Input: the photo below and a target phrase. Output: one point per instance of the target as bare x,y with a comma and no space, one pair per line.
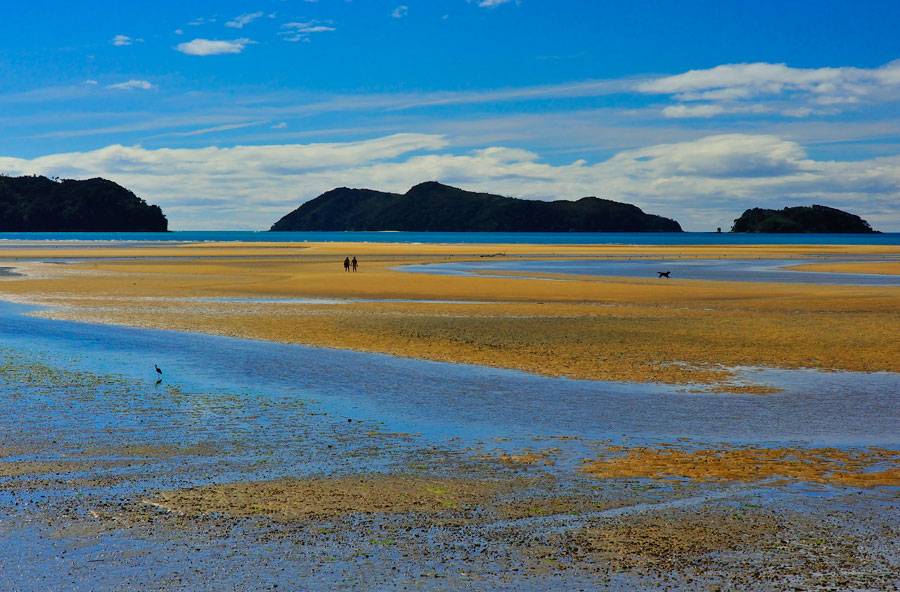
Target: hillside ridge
433,206
39,204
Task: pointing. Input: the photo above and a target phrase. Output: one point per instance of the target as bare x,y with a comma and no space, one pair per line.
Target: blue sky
229,114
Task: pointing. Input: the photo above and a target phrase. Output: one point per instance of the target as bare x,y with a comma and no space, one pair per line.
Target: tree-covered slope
819,219
39,204
440,208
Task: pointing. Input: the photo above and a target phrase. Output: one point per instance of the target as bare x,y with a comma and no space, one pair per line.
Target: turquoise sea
550,238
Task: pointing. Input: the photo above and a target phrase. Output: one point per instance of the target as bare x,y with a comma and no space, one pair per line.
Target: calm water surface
442,401
737,270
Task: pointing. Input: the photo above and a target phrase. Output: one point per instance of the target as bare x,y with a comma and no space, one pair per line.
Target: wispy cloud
400,11
132,123
238,22
210,130
793,92
590,88
131,85
201,21
207,47
301,31
710,110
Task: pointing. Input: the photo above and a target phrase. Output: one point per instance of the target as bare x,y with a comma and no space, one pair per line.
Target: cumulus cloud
702,183
301,31
238,22
207,47
400,11
132,85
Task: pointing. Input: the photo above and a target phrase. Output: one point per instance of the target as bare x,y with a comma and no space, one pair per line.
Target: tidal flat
758,455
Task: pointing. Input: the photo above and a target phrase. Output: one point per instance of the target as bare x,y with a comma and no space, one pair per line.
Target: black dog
664,274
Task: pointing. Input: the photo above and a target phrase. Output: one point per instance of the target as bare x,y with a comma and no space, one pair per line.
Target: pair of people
348,264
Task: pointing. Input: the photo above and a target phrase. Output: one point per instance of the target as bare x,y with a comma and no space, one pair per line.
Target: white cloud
91,82
302,31
681,111
179,32
702,183
201,21
239,21
280,125
493,3
753,79
723,156
791,91
206,47
710,110
120,40
400,11
132,85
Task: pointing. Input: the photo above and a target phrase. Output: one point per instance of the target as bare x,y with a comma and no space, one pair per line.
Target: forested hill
39,204
440,208
801,219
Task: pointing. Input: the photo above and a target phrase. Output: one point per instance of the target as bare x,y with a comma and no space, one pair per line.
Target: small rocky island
436,207
801,219
39,204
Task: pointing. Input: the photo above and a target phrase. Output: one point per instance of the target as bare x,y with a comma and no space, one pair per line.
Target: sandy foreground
641,330
554,513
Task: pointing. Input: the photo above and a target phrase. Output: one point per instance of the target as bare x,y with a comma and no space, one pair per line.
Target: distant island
39,204
801,219
436,207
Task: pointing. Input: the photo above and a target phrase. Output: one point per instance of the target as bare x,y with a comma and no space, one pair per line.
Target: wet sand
620,329
162,487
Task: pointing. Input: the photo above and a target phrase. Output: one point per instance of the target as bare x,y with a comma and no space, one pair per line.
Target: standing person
353,263
346,263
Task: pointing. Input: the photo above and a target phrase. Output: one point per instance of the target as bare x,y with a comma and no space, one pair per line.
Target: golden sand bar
626,329
857,468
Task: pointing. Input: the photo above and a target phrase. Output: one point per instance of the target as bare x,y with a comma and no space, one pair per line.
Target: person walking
346,263
353,264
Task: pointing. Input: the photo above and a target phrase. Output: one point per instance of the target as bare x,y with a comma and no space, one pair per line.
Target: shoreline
597,328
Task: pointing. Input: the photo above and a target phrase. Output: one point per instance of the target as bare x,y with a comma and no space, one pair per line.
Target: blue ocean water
550,238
